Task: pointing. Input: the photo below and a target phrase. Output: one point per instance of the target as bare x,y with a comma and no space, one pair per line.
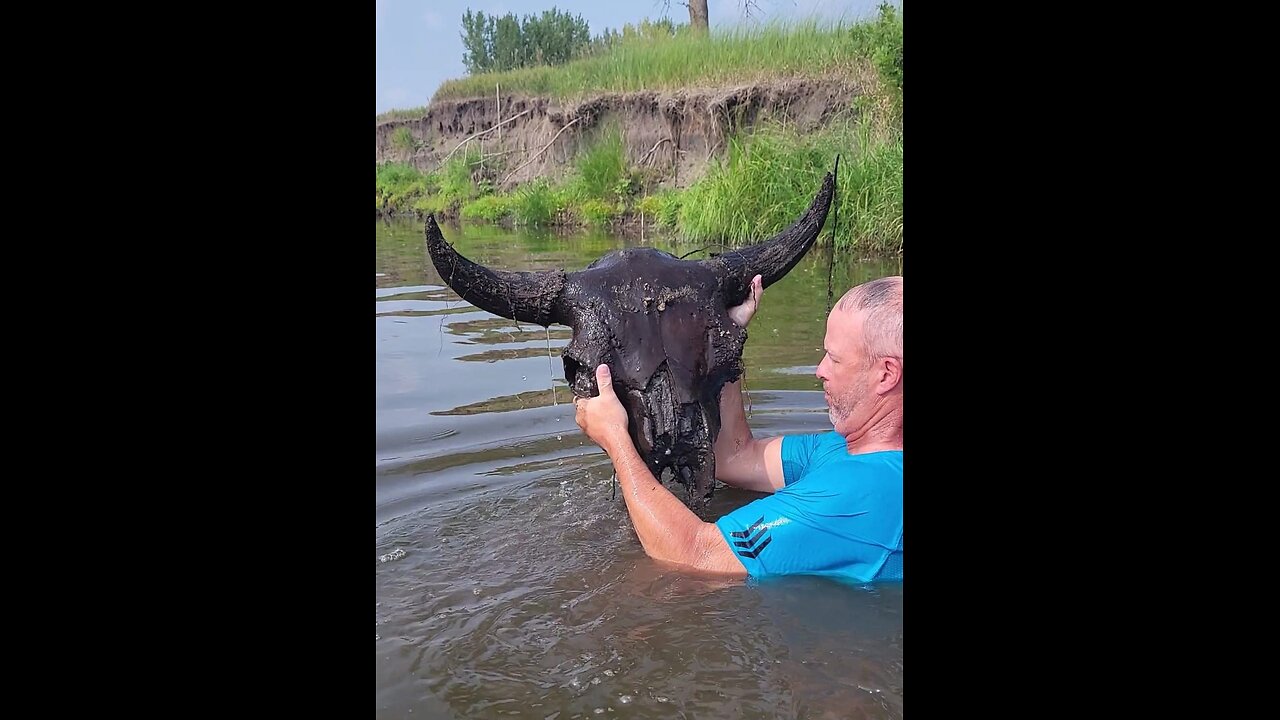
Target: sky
418,44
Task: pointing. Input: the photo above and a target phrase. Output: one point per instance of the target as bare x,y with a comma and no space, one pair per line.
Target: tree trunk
698,15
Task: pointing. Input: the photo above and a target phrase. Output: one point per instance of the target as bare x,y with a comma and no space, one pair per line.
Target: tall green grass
456,181
770,177
397,185
601,169
743,53
400,187
409,114
537,204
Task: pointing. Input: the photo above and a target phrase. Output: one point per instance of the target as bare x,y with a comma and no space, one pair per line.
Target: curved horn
526,296
774,257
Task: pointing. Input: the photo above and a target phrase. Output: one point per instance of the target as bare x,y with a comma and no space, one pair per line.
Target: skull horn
774,257
525,296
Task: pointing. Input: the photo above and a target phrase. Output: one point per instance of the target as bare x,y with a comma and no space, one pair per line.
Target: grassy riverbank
762,183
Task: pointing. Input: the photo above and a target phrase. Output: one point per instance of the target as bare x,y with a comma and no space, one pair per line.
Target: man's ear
890,369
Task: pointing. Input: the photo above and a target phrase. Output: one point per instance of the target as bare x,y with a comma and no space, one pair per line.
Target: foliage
536,204
602,169
496,44
662,208
645,30
881,42
771,177
597,213
662,58
396,185
492,208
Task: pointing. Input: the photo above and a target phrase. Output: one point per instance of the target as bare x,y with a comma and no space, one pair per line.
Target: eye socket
571,368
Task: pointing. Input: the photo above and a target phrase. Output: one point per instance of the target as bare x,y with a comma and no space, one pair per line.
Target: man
836,502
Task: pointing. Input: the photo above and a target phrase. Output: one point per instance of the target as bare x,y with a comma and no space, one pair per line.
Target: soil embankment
672,134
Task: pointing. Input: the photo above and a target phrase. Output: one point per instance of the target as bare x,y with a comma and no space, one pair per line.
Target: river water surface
509,581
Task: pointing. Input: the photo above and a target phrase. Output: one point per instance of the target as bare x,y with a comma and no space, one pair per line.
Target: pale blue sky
418,43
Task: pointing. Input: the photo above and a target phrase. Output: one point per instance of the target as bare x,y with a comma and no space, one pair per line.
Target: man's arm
667,529
741,460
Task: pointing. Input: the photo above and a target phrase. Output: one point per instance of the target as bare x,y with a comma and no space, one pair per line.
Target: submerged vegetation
762,183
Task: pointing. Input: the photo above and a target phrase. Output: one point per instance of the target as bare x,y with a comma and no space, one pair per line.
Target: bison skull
659,322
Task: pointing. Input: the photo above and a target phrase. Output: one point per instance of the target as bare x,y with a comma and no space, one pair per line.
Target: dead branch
652,149
499,154
482,132
544,149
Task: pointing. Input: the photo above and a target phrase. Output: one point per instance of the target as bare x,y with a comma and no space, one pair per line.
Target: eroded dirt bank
672,133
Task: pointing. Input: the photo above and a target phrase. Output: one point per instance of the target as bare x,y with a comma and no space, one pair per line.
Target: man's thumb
604,380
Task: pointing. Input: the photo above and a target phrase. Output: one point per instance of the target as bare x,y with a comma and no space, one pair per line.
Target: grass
537,204
397,185
410,114
739,54
763,184
766,182
602,168
769,179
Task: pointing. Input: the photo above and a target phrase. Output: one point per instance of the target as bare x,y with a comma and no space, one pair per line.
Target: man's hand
602,418
741,314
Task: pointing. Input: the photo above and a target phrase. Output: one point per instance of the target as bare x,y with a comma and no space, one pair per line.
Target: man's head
862,368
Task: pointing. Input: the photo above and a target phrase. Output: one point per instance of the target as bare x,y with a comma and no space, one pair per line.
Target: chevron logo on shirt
753,545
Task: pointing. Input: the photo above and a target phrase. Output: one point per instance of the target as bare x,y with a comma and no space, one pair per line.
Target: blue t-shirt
837,514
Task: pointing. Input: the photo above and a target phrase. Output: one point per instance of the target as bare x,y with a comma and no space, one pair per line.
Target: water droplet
661,698
624,699
559,438
475,591
599,711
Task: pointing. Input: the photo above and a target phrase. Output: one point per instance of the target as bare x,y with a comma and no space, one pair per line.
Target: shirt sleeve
797,451
843,519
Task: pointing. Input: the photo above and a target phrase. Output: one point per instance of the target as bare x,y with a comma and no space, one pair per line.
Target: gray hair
882,324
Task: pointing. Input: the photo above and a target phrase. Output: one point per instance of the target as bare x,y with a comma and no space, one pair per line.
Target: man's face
844,370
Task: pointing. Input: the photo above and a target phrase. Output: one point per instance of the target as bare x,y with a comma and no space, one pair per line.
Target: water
509,582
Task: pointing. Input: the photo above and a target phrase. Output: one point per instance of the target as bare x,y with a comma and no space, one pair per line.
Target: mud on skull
659,322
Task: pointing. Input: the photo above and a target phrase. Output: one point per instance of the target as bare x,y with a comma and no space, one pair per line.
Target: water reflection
519,401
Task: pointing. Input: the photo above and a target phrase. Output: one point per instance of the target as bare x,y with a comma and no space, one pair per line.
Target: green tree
508,45
476,53
493,44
